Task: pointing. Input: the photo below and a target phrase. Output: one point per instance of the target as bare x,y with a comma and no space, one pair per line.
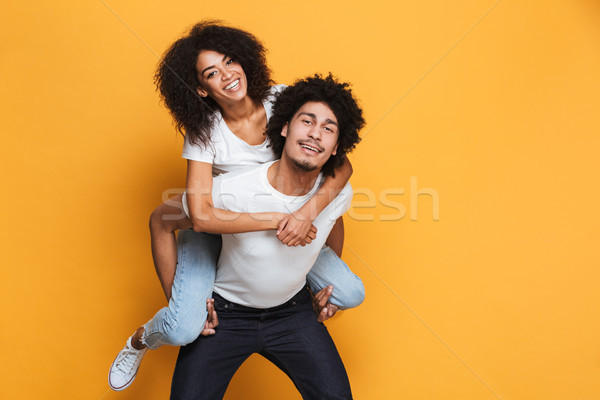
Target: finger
207,330
282,225
326,295
307,240
311,235
313,228
215,319
284,234
332,309
322,300
320,294
322,315
211,320
326,289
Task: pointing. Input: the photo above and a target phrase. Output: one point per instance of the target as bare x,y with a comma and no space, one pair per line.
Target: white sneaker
125,367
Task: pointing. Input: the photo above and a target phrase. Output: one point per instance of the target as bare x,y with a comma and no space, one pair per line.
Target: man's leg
205,367
305,349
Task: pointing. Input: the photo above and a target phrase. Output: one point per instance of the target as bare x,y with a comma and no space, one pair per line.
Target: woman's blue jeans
183,319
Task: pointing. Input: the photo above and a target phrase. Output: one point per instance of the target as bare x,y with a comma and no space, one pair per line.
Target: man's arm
335,240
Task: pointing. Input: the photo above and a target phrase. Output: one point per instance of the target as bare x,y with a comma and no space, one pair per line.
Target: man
260,290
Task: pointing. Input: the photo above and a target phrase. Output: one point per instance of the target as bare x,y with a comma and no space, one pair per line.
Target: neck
289,179
242,110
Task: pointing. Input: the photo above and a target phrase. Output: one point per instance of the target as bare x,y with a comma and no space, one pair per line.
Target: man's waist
302,296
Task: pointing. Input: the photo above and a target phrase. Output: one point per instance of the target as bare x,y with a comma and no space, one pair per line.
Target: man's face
311,136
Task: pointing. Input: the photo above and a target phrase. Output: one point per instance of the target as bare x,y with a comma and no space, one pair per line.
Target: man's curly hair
176,75
338,96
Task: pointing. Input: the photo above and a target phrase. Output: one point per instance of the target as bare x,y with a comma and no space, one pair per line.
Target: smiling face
311,136
220,77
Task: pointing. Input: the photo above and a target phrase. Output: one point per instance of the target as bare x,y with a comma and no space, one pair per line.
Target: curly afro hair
176,75
338,96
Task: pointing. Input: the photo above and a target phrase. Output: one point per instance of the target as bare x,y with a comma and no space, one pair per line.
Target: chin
305,165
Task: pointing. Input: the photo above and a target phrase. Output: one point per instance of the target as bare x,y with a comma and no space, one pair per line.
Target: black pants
288,335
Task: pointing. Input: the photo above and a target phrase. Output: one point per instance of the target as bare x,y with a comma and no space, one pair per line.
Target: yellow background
494,106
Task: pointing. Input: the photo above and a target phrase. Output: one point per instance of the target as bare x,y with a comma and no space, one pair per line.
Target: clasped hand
296,230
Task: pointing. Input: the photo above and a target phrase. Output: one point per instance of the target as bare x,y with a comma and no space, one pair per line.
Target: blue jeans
288,335
182,320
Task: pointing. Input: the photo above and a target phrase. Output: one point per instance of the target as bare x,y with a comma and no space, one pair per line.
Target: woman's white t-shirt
226,151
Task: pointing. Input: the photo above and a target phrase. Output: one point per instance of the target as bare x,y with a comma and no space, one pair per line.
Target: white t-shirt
255,269
226,151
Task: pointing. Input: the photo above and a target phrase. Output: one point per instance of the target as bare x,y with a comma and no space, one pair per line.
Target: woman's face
220,77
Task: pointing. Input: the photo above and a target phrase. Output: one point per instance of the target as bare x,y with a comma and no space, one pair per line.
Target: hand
294,231
322,307
212,321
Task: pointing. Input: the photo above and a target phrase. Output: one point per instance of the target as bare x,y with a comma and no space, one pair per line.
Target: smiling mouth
311,148
233,85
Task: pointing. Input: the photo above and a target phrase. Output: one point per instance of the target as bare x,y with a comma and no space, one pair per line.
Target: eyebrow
313,116
212,66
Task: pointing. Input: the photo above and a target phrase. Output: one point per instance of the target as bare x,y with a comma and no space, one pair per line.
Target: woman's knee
183,334
349,295
169,217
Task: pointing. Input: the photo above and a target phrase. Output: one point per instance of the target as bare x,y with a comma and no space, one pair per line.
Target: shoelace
127,363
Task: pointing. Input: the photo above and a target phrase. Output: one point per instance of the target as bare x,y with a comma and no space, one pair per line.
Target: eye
211,74
307,121
230,61
328,129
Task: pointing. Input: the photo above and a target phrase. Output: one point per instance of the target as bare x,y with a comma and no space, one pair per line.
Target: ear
202,92
334,152
284,130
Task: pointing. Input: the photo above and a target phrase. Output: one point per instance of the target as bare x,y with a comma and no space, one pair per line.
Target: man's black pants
288,335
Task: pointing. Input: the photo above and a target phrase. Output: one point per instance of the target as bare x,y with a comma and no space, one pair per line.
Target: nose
314,132
226,74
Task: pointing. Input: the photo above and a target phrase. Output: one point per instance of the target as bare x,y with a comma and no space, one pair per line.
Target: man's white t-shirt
255,269
226,151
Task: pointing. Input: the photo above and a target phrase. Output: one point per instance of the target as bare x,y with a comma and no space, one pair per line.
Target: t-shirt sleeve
195,152
217,194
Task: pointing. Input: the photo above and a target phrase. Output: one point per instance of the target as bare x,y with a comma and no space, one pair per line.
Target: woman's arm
294,228
206,218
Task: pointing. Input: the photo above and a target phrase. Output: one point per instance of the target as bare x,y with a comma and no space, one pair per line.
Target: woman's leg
187,289
164,221
181,322
329,269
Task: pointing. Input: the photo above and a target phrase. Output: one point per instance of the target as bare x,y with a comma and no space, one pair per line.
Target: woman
217,86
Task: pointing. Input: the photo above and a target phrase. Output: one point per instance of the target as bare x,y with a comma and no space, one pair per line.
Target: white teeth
232,84
310,148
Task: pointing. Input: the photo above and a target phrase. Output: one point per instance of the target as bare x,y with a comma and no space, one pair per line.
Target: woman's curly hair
338,96
176,76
